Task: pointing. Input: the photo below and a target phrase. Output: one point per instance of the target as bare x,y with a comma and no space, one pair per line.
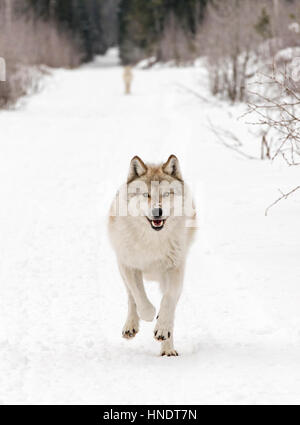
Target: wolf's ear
137,168
172,167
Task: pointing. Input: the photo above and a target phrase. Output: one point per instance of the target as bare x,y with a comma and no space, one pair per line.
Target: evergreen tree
263,26
142,23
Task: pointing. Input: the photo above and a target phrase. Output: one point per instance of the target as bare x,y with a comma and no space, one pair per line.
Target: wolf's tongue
157,222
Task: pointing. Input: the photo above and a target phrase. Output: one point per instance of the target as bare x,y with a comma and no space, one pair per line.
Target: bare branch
283,196
280,113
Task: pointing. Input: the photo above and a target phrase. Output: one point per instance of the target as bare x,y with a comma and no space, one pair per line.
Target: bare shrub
279,116
286,23
176,43
230,42
241,36
53,49
34,42
27,43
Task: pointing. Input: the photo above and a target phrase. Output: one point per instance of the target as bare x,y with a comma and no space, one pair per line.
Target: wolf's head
155,193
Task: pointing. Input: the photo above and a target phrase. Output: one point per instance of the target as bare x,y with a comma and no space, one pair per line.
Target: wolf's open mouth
157,224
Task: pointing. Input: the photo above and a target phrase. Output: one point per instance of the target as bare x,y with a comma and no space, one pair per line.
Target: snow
287,55
294,27
62,301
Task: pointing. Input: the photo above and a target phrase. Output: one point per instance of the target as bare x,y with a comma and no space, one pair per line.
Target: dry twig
283,196
280,113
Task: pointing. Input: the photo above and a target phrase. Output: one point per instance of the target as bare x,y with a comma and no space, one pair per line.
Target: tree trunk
276,14
8,14
52,6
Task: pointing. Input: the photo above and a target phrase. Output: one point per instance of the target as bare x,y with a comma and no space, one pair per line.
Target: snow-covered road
62,302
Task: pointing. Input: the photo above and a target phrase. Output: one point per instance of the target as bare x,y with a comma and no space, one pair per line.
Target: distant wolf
150,231
128,77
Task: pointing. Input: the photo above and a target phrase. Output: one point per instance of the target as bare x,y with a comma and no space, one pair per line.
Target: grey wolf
151,238
128,77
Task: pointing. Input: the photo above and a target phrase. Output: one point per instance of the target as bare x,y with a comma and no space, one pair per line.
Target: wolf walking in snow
128,77
149,231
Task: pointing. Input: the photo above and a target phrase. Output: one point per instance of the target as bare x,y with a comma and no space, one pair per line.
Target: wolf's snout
157,212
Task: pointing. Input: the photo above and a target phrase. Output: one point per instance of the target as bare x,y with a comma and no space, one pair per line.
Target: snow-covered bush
239,37
278,114
229,38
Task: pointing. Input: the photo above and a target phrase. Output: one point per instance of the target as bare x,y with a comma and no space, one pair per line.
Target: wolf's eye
166,194
146,195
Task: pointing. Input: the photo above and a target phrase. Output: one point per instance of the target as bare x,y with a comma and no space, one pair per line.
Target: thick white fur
144,253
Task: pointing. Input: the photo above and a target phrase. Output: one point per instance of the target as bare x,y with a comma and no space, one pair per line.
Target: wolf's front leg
131,326
163,332
167,348
134,282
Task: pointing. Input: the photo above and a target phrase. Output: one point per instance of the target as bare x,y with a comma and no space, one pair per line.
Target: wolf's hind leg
134,281
131,326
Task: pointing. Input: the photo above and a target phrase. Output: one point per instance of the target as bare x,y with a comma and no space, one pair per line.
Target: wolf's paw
130,329
147,313
162,333
169,353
